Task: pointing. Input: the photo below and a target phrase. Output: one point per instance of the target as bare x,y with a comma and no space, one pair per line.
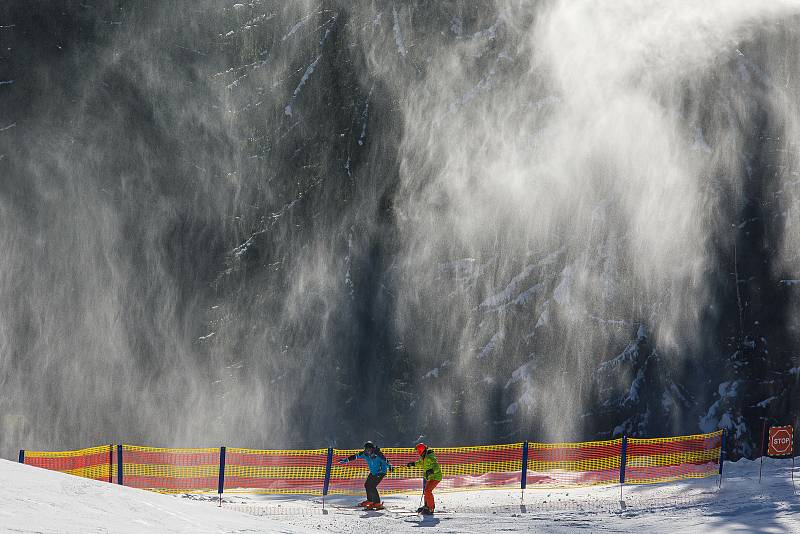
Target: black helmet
369,445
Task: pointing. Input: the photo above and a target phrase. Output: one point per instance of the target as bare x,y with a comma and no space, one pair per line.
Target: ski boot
375,506
365,504
424,510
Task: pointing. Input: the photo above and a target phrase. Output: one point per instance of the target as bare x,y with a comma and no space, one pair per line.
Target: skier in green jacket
433,475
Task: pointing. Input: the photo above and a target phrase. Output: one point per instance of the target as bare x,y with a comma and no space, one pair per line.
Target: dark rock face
304,223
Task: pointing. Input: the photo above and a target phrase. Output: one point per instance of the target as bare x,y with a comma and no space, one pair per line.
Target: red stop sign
781,441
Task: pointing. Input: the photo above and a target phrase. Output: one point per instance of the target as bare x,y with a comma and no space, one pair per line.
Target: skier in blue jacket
378,467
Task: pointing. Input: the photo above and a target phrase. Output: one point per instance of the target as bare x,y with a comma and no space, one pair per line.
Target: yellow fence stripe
279,452
674,459
98,471
675,438
100,449
206,450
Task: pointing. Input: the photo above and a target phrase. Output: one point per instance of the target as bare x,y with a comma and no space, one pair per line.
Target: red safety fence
574,464
275,471
96,463
665,459
171,470
317,472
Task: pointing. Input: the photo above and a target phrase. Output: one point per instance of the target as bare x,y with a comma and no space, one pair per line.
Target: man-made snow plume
603,130
294,223
118,199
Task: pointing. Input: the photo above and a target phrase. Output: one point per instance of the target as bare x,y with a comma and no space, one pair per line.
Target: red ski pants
429,485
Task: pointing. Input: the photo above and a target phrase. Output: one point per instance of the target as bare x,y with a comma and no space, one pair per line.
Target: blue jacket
378,463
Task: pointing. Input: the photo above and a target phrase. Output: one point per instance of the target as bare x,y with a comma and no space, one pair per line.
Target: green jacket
430,464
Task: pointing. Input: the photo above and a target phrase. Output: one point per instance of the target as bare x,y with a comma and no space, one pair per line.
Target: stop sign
781,441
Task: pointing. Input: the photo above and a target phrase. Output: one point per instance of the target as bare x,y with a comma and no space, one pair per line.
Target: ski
349,509
423,519
412,513
343,507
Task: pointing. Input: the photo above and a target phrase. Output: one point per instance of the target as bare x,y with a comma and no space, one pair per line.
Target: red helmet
421,448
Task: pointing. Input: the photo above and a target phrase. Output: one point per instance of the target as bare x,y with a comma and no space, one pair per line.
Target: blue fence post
623,461
327,481
721,457
120,465
328,464
524,477
22,456
221,484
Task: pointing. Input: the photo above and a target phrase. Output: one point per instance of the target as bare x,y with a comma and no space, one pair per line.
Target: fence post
327,481
120,465
22,456
221,485
524,478
794,429
623,461
721,457
763,440
110,463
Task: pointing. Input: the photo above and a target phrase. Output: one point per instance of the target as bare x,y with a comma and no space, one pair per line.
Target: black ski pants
371,485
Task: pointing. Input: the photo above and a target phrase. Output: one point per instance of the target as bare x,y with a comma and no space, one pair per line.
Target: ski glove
428,473
343,461
410,464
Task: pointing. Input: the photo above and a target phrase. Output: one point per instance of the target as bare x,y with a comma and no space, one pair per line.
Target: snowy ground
35,500
41,501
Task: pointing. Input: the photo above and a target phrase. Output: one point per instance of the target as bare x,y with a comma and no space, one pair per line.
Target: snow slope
41,501
35,500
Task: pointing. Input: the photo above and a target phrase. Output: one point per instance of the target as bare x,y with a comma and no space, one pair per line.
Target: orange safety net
464,468
171,470
664,459
573,464
97,463
303,471
275,471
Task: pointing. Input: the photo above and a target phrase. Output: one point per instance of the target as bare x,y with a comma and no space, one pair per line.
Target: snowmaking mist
312,223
